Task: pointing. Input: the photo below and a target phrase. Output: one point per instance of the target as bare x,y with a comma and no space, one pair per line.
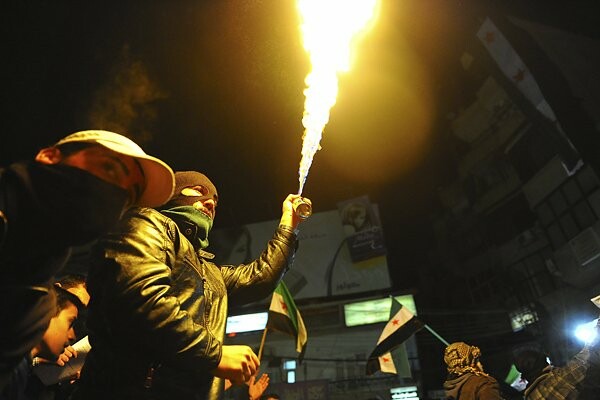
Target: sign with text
324,264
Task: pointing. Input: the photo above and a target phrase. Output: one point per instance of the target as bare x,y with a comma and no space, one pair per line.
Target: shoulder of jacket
138,217
147,213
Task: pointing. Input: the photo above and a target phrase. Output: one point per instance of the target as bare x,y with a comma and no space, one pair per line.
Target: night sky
217,86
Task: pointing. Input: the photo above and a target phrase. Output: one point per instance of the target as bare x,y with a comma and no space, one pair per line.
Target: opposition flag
518,74
513,66
402,325
285,317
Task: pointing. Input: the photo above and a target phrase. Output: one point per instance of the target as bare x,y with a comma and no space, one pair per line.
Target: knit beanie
461,357
194,224
186,179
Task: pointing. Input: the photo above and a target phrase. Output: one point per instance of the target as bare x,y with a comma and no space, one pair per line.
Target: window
572,208
572,191
291,377
584,214
404,393
522,317
289,368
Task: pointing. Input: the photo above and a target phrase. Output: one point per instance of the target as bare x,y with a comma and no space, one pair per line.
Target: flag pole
262,344
434,333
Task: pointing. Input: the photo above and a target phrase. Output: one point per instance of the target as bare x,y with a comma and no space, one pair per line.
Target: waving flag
285,317
401,326
518,74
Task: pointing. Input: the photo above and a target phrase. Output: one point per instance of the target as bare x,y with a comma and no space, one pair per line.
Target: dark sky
217,86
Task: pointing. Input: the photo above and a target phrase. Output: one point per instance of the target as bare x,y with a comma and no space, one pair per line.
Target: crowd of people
578,379
155,303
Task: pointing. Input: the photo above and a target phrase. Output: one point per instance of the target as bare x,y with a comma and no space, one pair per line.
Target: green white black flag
402,325
285,317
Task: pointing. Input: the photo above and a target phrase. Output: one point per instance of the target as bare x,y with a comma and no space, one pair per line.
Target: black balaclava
193,223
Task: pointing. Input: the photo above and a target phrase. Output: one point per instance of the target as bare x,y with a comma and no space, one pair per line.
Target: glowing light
329,28
587,332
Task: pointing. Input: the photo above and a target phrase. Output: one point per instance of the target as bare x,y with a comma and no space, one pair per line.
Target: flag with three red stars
285,317
401,326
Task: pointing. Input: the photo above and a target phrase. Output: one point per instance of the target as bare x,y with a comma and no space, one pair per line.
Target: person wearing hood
466,379
159,304
69,194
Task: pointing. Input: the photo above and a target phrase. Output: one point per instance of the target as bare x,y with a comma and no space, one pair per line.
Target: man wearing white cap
71,194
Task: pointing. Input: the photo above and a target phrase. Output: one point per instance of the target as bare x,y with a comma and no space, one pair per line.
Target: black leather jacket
159,307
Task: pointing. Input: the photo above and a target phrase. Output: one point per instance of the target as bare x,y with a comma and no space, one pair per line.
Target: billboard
331,259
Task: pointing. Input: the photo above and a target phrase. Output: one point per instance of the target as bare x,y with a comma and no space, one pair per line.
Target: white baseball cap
160,180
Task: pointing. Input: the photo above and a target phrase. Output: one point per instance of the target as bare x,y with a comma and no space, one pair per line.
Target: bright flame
329,28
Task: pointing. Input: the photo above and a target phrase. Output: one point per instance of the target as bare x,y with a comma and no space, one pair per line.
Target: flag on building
513,66
518,74
285,317
401,326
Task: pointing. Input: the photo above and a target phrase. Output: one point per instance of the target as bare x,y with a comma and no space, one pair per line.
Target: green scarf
194,224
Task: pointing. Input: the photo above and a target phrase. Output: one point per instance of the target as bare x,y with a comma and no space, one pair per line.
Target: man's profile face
59,334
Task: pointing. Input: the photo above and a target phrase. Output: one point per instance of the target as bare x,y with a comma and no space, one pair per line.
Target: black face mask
74,203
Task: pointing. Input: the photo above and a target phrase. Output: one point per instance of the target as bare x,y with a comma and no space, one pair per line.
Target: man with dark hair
578,379
55,379
70,194
76,284
159,304
55,339
466,379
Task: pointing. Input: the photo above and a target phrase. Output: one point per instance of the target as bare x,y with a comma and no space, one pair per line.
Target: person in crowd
56,338
159,305
70,194
466,379
578,379
76,284
64,375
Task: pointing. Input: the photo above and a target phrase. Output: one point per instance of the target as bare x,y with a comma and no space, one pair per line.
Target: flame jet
329,28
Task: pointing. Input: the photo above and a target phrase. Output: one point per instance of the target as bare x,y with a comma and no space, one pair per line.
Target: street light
587,331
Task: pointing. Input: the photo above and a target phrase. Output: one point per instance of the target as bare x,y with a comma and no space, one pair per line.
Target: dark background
217,86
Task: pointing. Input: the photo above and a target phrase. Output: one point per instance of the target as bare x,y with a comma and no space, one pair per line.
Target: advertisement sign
330,260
